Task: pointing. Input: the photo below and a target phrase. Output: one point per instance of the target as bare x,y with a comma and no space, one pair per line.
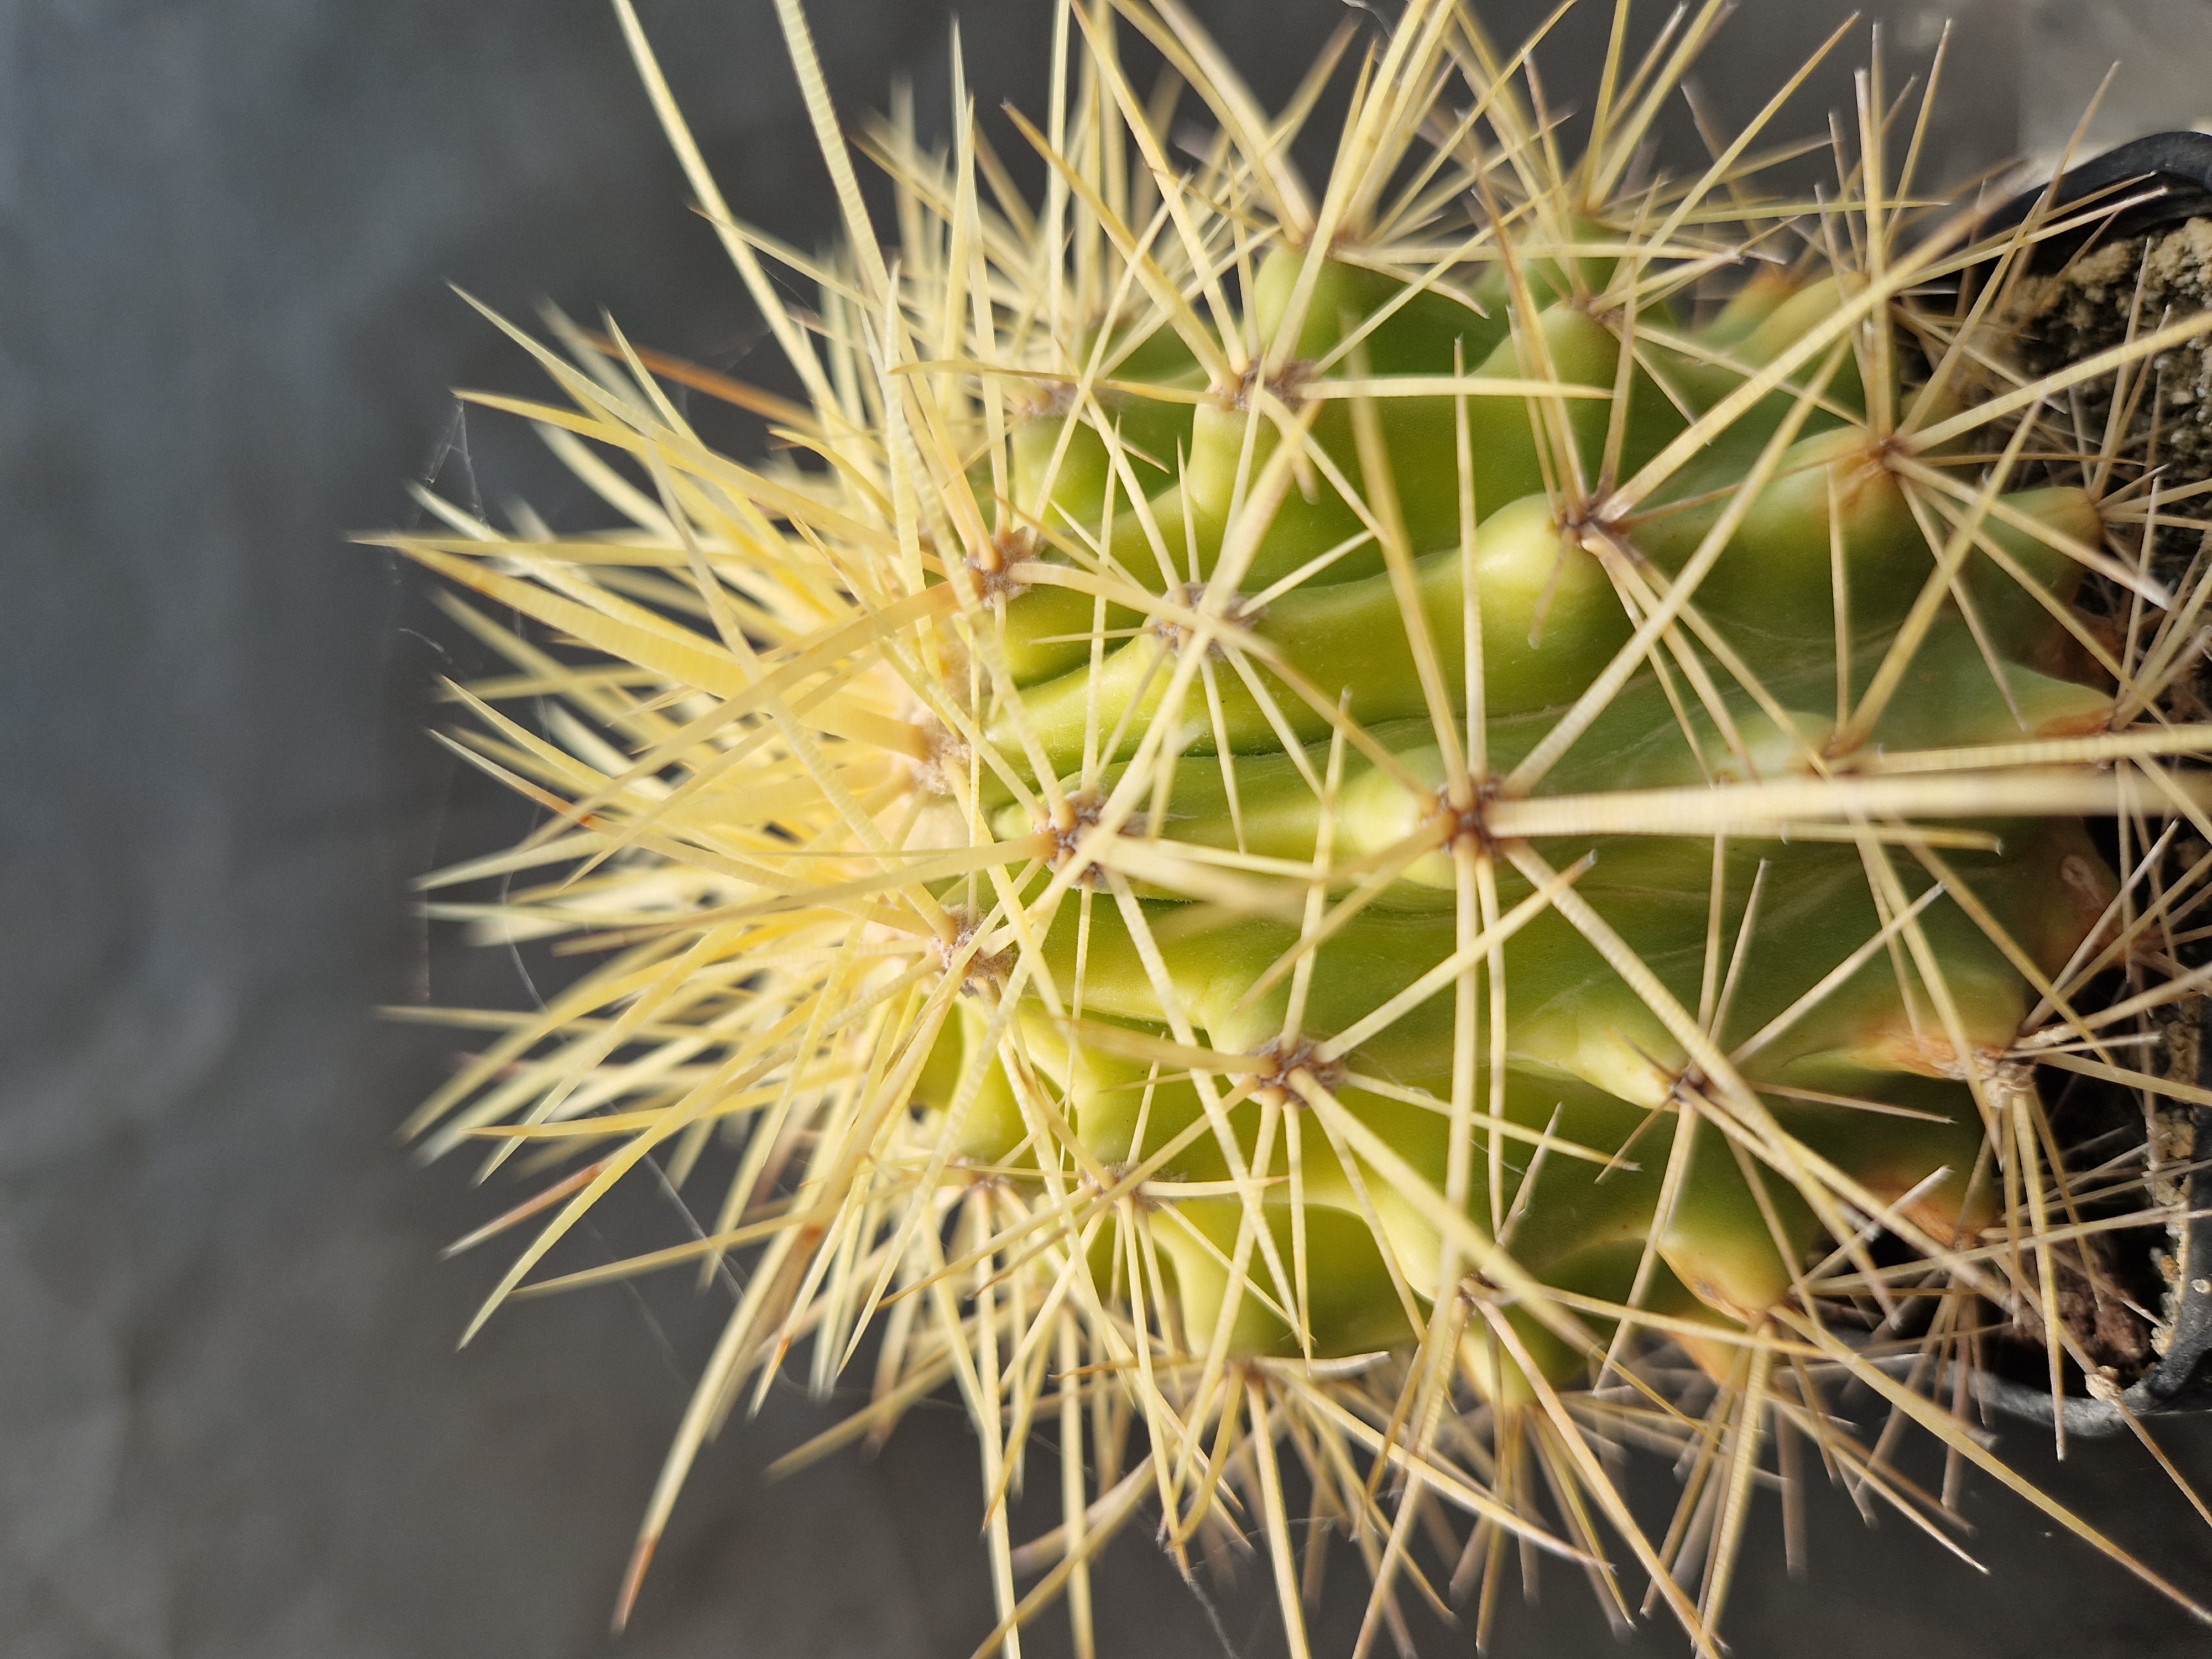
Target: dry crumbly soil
2150,281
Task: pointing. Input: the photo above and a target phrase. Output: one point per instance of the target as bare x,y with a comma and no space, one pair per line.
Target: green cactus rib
1429,820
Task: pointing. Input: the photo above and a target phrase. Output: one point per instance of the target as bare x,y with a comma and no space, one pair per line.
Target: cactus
1362,826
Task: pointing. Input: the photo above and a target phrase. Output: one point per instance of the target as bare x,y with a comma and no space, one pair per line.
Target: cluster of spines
807,672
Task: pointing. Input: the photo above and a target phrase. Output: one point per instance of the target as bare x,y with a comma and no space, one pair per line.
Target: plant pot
2153,184
2156,183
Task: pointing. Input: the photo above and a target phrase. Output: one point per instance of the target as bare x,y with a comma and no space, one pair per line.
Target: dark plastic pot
2164,181
2153,184
2181,1381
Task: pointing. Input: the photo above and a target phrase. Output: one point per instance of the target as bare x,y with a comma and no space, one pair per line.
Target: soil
2099,300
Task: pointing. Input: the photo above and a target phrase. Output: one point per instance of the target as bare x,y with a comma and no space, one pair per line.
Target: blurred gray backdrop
232,1424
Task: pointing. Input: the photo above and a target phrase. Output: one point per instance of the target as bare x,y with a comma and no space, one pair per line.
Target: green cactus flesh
1253,772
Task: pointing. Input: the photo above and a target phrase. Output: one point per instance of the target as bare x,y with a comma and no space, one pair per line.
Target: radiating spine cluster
1423,831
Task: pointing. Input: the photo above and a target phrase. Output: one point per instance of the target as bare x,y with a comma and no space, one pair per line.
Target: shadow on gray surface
236,1424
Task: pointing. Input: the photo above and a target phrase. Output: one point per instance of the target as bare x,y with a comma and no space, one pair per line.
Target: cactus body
1306,777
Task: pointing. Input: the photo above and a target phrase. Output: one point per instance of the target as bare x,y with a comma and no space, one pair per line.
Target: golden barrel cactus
1412,828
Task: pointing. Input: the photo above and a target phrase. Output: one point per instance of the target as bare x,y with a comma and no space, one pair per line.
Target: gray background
232,1423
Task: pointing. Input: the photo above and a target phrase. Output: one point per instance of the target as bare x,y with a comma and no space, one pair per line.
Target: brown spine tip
633,1580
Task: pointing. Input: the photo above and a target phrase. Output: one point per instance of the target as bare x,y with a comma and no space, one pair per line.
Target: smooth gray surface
232,1423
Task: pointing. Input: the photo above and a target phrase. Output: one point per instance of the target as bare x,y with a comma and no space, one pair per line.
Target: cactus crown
1410,827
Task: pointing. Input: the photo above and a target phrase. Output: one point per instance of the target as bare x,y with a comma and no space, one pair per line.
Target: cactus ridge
1367,825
